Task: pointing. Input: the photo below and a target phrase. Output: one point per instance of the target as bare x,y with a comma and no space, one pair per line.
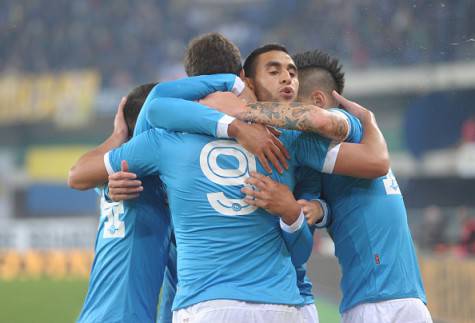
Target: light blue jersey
201,86
131,245
373,244
169,112
309,188
226,248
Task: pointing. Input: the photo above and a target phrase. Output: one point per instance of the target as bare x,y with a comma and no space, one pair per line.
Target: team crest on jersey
390,184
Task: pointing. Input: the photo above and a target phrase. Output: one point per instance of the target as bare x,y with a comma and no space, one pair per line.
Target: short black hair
135,101
211,54
251,60
309,62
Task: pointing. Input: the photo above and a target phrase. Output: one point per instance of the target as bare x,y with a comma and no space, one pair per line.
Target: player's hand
124,185
274,197
312,210
354,108
262,142
226,102
120,131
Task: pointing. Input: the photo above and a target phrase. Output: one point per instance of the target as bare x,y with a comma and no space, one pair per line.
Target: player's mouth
287,93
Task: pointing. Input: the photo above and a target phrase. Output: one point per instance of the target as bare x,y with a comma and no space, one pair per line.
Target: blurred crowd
136,41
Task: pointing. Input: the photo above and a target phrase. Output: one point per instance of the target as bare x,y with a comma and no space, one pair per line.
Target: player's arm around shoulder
89,171
368,159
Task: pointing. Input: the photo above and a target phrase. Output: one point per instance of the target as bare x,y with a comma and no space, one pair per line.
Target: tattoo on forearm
296,116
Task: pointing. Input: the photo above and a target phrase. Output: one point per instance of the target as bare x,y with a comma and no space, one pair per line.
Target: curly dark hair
331,77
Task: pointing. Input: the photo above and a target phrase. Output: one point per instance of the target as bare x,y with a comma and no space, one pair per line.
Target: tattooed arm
294,115
298,116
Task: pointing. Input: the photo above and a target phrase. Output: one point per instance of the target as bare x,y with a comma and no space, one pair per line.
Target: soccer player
132,240
381,281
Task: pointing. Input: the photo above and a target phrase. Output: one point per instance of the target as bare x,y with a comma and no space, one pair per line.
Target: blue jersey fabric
168,114
373,244
131,243
309,187
170,281
201,86
226,248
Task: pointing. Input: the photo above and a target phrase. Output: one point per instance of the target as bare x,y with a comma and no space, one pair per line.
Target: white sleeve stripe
331,157
294,226
238,86
108,165
223,124
346,119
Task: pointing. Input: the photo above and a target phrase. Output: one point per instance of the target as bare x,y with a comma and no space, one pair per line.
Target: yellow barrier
65,98
52,264
52,163
450,288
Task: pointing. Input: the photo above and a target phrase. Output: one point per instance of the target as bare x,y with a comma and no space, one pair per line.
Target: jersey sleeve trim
238,86
331,157
347,120
324,221
223,124
108,165
294,226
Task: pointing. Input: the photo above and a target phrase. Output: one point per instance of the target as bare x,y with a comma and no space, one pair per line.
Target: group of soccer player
212,186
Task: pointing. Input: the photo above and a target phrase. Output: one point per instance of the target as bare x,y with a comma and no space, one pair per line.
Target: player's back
130,253
227,249
372,240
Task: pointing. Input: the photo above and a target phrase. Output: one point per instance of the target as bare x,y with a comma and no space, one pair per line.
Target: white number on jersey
391,185
225,176
113,227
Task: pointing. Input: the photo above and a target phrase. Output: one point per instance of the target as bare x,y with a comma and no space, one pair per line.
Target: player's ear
319,99
249,83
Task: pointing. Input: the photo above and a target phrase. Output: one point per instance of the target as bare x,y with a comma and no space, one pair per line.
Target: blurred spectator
129,41
468,131
466,152
433,229
467,241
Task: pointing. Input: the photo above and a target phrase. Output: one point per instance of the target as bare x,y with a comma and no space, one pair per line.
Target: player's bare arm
368,159
288,115
88,172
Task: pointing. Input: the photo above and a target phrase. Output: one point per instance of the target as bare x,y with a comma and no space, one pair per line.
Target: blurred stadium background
64,66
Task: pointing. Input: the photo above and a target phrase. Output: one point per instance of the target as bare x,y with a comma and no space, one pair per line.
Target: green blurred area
59,301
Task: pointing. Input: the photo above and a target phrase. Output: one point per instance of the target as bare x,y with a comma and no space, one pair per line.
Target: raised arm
84,173
370,158
197,87
288,115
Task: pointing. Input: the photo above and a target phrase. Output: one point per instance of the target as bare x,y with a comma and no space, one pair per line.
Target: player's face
276,77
